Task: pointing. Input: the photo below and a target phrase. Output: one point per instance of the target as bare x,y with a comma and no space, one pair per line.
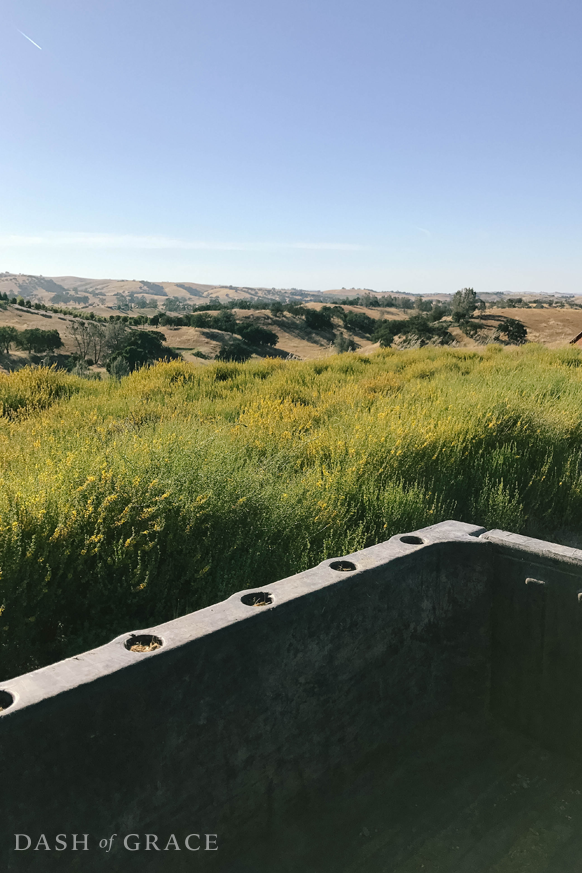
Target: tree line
114,343
30,340
427,327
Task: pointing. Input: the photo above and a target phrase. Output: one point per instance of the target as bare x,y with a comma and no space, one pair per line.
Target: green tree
38,341
423,305
225,321
257,335
235,351
7,337
142,347
515,331
200,319
438,311
359,321
317,320
464,304
116,335
51,341
416,328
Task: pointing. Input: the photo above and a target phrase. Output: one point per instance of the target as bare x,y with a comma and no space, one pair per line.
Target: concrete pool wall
246,706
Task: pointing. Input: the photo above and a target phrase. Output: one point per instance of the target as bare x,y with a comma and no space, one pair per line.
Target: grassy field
124,504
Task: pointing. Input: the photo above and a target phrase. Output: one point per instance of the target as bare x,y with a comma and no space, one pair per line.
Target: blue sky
418,145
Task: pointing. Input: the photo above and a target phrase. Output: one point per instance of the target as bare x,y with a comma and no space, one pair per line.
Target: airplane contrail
29,39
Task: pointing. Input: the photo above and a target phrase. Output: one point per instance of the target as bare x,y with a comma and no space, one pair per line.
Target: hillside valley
346,322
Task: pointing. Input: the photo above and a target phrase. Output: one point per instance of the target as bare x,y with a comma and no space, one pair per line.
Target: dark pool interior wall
252,719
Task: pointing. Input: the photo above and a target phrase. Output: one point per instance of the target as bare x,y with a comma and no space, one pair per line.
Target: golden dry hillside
551,327
167,308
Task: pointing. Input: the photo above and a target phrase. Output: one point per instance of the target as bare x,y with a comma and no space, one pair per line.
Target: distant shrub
200,319
118,367
82,370
257,335
235,351
344,344
359,321
317,319
513,330
471,328
438,311
224,321
417,329
423,305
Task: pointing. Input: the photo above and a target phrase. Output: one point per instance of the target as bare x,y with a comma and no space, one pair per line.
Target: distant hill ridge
105,291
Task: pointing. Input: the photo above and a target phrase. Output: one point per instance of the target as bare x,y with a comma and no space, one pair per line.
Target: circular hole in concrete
143,643
342,566
257,598
6,700
411,541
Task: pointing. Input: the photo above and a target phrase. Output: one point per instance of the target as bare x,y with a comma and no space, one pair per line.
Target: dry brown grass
551,327
141,647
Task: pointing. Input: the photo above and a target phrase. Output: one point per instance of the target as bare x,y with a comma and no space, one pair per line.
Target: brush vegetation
129,502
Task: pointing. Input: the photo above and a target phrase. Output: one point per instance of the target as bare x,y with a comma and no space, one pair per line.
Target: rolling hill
552,321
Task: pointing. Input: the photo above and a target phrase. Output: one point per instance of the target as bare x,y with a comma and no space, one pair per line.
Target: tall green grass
126,504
